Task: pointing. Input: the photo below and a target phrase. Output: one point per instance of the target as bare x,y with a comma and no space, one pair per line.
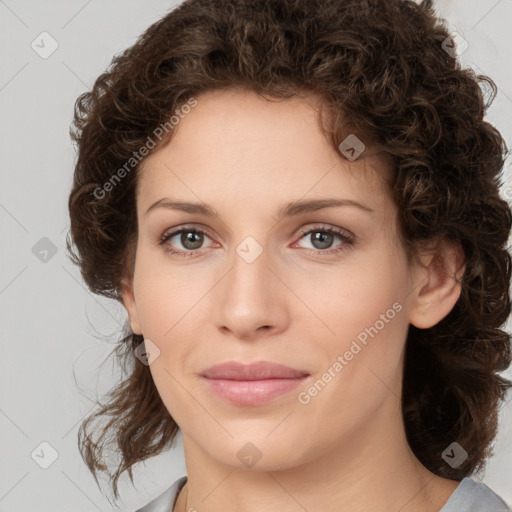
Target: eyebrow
291,209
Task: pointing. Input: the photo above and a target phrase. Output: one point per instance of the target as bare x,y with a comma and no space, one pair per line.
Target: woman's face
258,286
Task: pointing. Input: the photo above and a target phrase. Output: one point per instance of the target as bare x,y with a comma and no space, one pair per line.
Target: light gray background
53,329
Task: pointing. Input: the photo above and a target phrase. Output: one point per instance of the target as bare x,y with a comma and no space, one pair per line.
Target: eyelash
347,239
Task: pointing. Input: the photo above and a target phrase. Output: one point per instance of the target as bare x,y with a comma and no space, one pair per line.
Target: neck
371,469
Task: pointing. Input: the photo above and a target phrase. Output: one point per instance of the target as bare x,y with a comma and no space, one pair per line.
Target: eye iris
321,236
191,237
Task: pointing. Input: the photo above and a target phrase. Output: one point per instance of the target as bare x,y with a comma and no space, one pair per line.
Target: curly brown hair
381,68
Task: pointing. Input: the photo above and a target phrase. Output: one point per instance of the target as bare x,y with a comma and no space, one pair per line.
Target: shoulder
471,496
165,502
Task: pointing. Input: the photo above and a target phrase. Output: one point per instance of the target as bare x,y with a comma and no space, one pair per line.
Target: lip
252,384
233,370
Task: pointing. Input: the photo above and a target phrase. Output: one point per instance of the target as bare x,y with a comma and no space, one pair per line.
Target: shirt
469,496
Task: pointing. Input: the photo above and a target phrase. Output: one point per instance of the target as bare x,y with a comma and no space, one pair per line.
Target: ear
437,285
130,305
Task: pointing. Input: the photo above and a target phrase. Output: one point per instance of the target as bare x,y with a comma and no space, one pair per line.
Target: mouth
254,384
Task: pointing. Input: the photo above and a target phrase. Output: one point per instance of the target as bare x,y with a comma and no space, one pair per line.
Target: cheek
165,298
361,364
178,395
370,294
366,315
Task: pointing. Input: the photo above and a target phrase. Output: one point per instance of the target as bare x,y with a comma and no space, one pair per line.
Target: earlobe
438,286
130,305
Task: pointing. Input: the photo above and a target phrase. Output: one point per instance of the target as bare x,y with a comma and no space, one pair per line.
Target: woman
297,203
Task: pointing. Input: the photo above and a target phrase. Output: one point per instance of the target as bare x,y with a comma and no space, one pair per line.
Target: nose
251,299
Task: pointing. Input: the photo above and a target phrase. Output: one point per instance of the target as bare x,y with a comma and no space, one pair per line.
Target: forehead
234,143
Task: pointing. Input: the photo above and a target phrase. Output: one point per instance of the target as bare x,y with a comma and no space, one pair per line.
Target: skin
345,450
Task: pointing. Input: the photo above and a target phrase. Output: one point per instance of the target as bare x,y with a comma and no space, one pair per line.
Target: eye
191,240
322,238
